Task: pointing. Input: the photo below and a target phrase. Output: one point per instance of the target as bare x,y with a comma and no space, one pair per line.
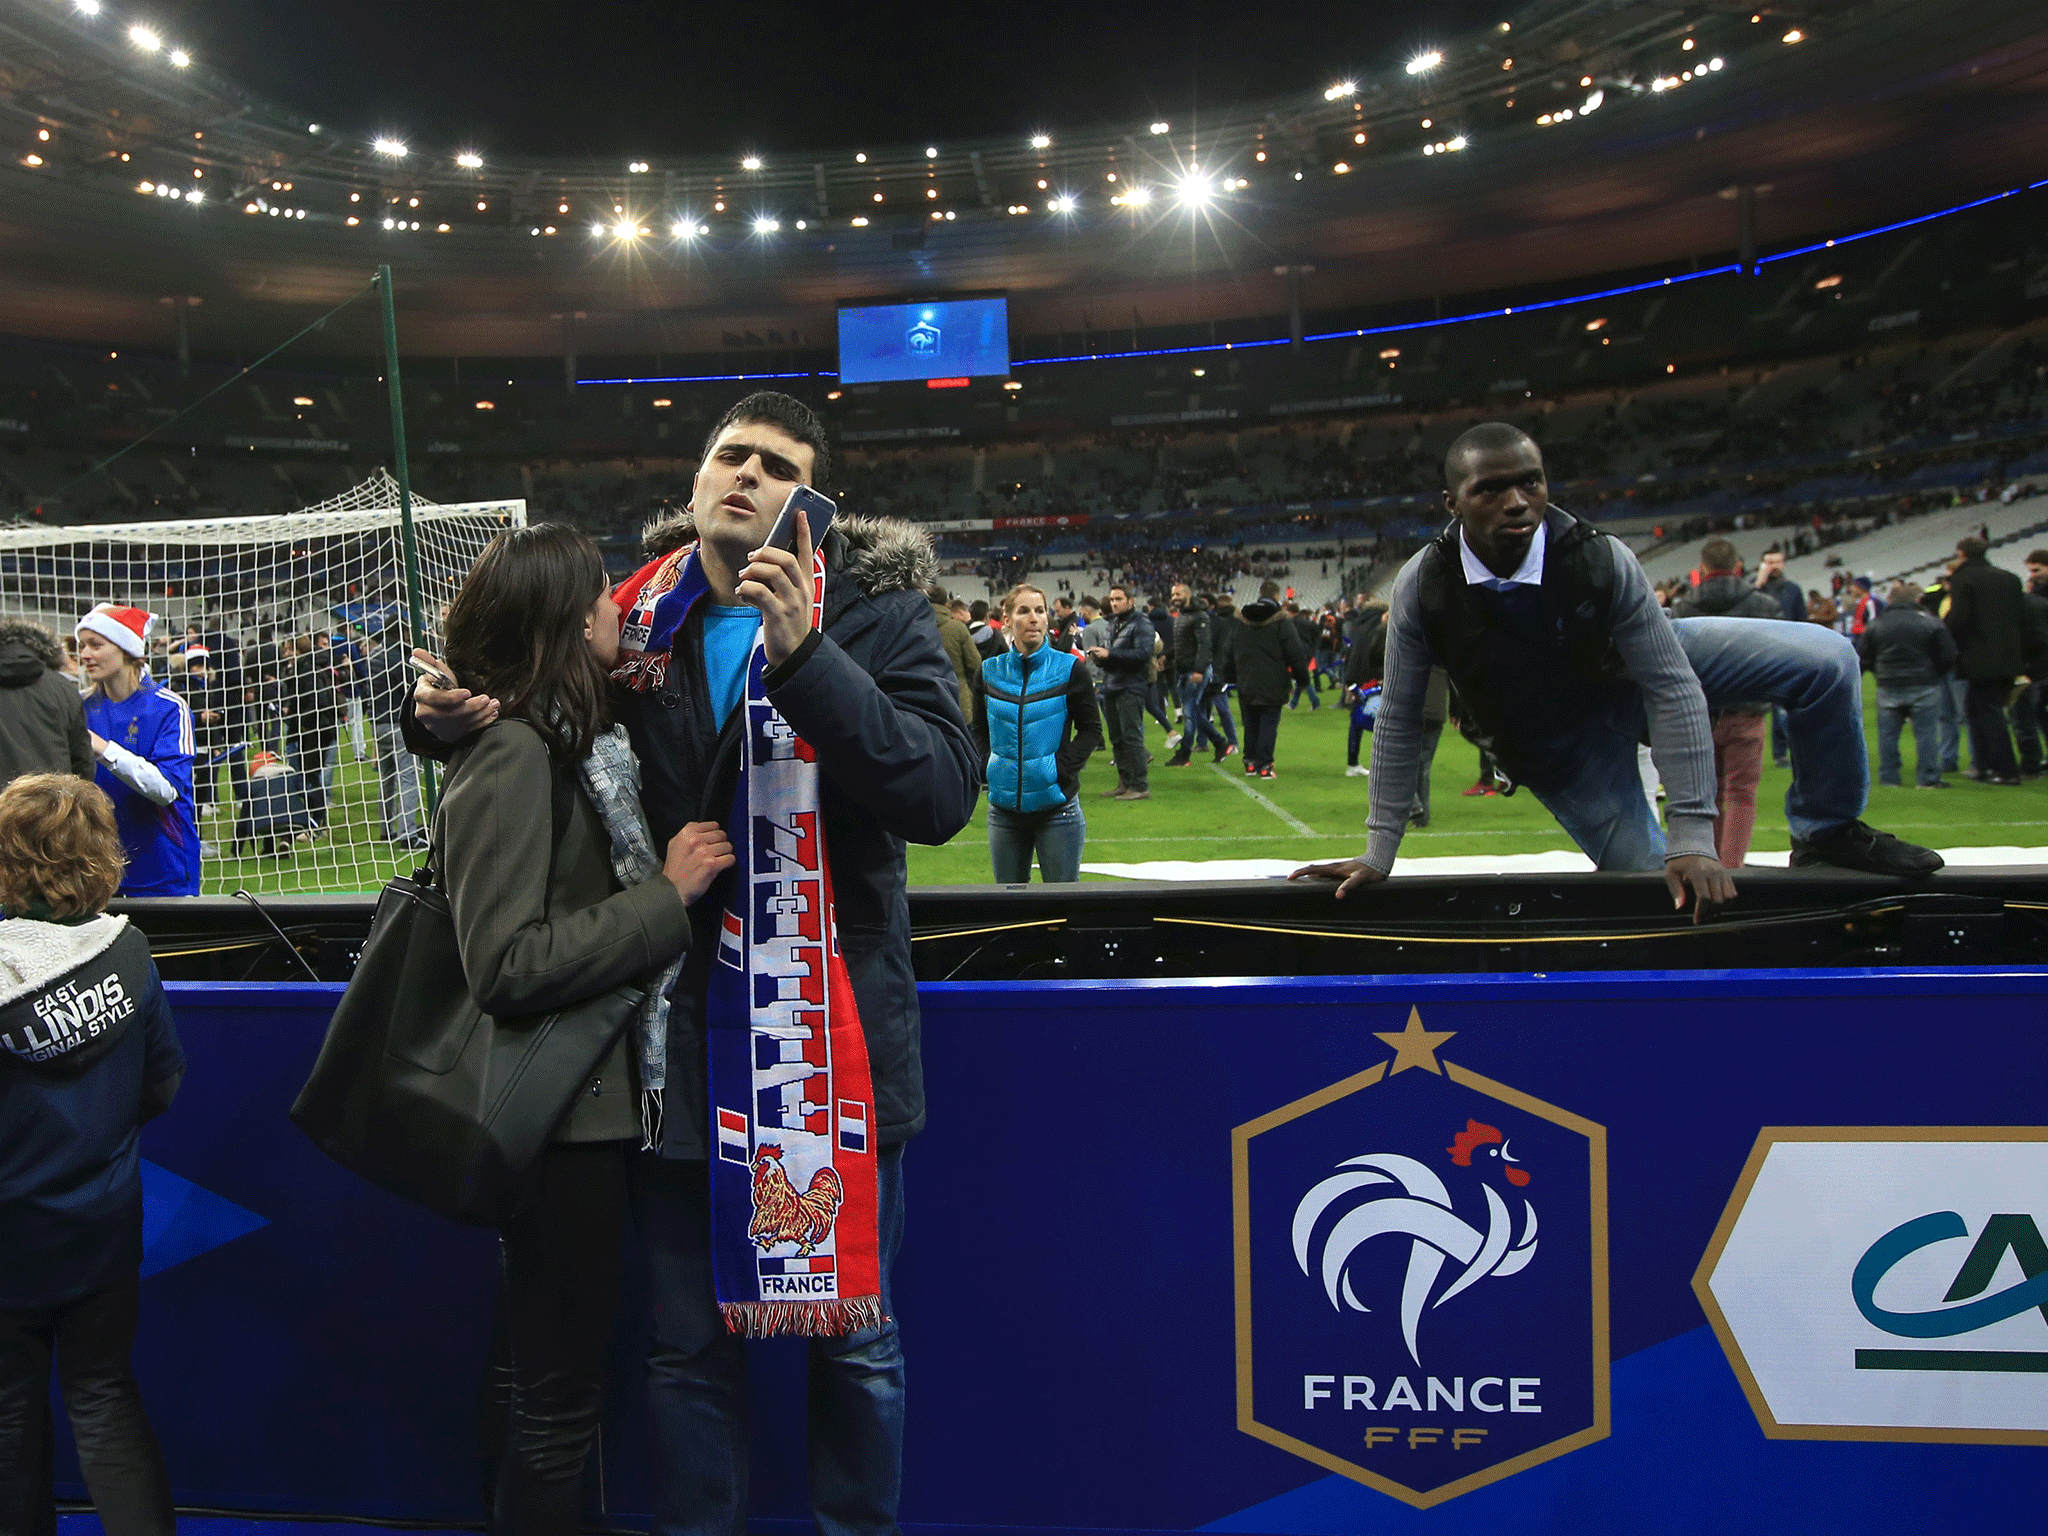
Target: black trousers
558,1287
1261,731
124,1469
1125,710
1990,741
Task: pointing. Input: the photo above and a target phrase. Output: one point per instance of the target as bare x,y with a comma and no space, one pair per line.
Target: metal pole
403,469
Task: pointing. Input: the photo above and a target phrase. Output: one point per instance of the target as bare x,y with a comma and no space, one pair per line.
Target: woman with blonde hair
142,744
88,1052
1036,717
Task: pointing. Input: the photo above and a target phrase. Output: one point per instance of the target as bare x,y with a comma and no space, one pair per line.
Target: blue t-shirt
729,635
161,841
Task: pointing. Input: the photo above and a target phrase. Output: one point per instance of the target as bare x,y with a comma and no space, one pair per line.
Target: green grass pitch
1309,811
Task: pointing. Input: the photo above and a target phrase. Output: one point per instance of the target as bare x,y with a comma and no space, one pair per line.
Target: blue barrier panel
1604,1253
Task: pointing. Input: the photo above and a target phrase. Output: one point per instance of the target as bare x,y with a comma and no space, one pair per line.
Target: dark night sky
612,78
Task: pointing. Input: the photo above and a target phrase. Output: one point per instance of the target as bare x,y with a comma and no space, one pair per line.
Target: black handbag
424,1094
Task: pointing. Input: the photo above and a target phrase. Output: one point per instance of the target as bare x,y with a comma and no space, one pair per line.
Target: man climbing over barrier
1563,661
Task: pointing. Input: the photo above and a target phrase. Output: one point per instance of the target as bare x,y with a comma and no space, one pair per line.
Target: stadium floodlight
625,229
766,226
86,7
1425,62
1161,127
1137,197
1064,203
195,196
144,39
1794,36
392,147
683,229
931,154
470,160
180,59
1456,144
1340,90
636,167
751,163
1193,190
1716,63
1041,141
1592,103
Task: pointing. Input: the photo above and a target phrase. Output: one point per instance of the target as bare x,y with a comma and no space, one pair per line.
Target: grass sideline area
1309,811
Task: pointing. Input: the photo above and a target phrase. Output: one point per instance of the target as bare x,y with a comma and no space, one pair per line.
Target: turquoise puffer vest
1027,720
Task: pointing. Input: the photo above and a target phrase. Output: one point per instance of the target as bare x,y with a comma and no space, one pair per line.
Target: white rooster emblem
1409,1200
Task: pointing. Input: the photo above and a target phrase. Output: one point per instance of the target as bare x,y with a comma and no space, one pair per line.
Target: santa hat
126,627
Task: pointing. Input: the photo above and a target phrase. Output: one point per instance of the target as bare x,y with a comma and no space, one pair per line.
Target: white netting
299,781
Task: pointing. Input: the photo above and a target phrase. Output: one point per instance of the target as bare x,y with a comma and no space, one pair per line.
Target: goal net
268,627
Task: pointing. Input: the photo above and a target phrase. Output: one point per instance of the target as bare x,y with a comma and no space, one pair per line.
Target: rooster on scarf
782,1215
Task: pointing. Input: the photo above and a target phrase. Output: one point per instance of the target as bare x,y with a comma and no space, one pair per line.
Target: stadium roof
1587,137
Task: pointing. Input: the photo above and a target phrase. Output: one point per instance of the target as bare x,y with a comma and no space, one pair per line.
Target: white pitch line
1237,781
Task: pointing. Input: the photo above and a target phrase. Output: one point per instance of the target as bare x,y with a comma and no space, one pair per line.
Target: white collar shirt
1528,574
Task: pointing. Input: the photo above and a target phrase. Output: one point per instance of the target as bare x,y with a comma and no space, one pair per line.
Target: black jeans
558,1287
117,1451
1125,709
1261,731
1990,742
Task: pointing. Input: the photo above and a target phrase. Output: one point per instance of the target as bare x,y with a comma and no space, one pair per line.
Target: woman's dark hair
515,632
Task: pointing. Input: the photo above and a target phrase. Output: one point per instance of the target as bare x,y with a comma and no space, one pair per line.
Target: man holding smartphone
870,690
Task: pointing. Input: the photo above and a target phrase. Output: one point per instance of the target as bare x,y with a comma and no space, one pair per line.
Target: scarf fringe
650,1119
809,1319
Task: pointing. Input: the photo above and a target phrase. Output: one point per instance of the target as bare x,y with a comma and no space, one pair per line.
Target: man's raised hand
779,584
450,713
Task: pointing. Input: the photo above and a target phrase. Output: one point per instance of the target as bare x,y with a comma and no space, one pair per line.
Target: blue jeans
1951,701
1055,835
1218,699
1813,672
1923,707
697,1374
1196,731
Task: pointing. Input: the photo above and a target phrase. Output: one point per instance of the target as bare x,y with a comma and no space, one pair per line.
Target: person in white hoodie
88,1052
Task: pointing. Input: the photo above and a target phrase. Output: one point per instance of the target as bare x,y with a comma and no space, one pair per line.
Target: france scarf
795,1247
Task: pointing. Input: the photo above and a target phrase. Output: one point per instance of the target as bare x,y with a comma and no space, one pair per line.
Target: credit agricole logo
1888,1283
1421,1276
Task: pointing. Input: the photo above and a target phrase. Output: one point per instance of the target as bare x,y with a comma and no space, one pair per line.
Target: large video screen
937,339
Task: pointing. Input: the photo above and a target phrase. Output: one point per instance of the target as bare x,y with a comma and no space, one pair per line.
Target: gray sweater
1681,734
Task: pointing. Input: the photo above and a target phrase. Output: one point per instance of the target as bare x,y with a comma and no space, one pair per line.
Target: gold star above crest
1415,1046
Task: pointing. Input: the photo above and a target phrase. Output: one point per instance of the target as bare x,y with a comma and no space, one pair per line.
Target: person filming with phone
794,689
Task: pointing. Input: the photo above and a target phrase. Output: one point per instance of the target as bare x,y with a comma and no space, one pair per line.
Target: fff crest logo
1421,1276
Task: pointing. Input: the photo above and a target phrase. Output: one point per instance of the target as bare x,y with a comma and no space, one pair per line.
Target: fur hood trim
26,632
883,554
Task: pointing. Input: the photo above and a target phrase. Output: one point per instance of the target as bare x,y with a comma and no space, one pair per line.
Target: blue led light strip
708,378
1523,309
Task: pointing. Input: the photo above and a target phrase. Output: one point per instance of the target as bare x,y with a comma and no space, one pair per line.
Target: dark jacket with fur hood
873,693
42,721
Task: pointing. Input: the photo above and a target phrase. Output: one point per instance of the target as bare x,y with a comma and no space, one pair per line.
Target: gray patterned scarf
611,774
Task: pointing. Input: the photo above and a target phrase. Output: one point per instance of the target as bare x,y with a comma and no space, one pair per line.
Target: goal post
266,626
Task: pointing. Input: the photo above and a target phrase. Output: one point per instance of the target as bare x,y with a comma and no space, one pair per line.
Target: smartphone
431,673
817,504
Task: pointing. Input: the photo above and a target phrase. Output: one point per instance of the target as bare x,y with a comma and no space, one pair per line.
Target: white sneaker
1356,772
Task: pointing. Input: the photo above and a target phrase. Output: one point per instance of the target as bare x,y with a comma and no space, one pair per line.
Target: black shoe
1855,845
2001,780
1936,784
1418,819
1178,761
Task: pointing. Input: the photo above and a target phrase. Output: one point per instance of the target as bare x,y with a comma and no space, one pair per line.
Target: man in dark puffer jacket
870,689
